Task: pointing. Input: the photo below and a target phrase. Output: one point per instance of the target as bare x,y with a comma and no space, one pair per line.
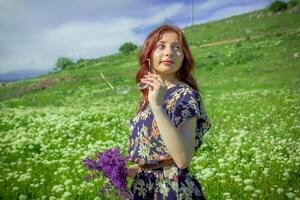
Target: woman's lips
167,62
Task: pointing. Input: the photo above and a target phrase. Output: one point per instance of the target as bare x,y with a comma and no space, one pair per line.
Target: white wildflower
290,195
22,197
249,188
280,190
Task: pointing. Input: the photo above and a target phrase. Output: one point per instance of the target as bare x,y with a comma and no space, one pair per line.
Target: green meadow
248,71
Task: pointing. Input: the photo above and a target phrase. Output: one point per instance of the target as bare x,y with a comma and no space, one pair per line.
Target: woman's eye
177,47
160,46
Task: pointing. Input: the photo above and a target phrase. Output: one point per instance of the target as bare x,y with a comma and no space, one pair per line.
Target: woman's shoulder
179,95
183,89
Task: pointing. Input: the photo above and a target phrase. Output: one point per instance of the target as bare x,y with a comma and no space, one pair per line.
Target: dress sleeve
188,105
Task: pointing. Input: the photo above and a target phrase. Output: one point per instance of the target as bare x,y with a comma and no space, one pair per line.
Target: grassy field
249,76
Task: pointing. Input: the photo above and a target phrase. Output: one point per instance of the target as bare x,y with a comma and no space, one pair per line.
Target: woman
170,122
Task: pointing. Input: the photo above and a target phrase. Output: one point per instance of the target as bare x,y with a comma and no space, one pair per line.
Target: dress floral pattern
145,146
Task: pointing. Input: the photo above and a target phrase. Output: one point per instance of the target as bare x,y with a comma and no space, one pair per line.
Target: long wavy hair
184,74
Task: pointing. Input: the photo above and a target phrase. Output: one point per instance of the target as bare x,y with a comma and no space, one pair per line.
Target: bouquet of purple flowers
113,166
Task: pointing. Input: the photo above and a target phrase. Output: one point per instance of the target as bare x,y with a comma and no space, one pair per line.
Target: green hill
248,70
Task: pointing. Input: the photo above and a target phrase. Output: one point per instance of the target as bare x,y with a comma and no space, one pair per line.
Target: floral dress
145,146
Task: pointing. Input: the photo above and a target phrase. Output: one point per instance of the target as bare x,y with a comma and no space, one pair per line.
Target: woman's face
167,55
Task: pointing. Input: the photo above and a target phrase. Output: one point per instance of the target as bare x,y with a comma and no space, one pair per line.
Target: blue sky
34,33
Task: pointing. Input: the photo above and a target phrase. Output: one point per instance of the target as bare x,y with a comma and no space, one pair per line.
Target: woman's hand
132,170
156,89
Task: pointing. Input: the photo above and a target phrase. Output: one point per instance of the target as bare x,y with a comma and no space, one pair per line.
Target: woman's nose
169,51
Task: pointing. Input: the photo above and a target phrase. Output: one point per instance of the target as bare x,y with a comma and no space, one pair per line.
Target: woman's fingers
156,76
150,83
152,74
156,80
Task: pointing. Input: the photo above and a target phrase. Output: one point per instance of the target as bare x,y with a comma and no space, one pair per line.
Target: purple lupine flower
113,166
92,164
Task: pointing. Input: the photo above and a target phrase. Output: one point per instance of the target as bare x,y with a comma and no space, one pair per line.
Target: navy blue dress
145,146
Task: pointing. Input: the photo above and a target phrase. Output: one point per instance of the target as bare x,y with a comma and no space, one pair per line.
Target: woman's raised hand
156,89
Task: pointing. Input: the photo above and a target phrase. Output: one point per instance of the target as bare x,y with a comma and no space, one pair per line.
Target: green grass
250,91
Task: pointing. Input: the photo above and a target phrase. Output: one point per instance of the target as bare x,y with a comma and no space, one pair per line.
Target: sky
34,33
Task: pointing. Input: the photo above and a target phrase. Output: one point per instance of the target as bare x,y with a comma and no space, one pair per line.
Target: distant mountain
21,74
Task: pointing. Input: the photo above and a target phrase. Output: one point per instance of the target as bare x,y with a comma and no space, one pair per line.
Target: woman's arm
180,142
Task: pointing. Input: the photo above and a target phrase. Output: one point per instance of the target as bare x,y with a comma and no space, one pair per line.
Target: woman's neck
170,80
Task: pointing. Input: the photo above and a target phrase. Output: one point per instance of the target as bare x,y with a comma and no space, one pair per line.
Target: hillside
248,71
253,40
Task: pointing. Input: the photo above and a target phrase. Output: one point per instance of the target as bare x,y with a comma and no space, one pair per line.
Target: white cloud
75,39
160,14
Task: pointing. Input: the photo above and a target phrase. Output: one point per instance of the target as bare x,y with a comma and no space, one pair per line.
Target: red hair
184,74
